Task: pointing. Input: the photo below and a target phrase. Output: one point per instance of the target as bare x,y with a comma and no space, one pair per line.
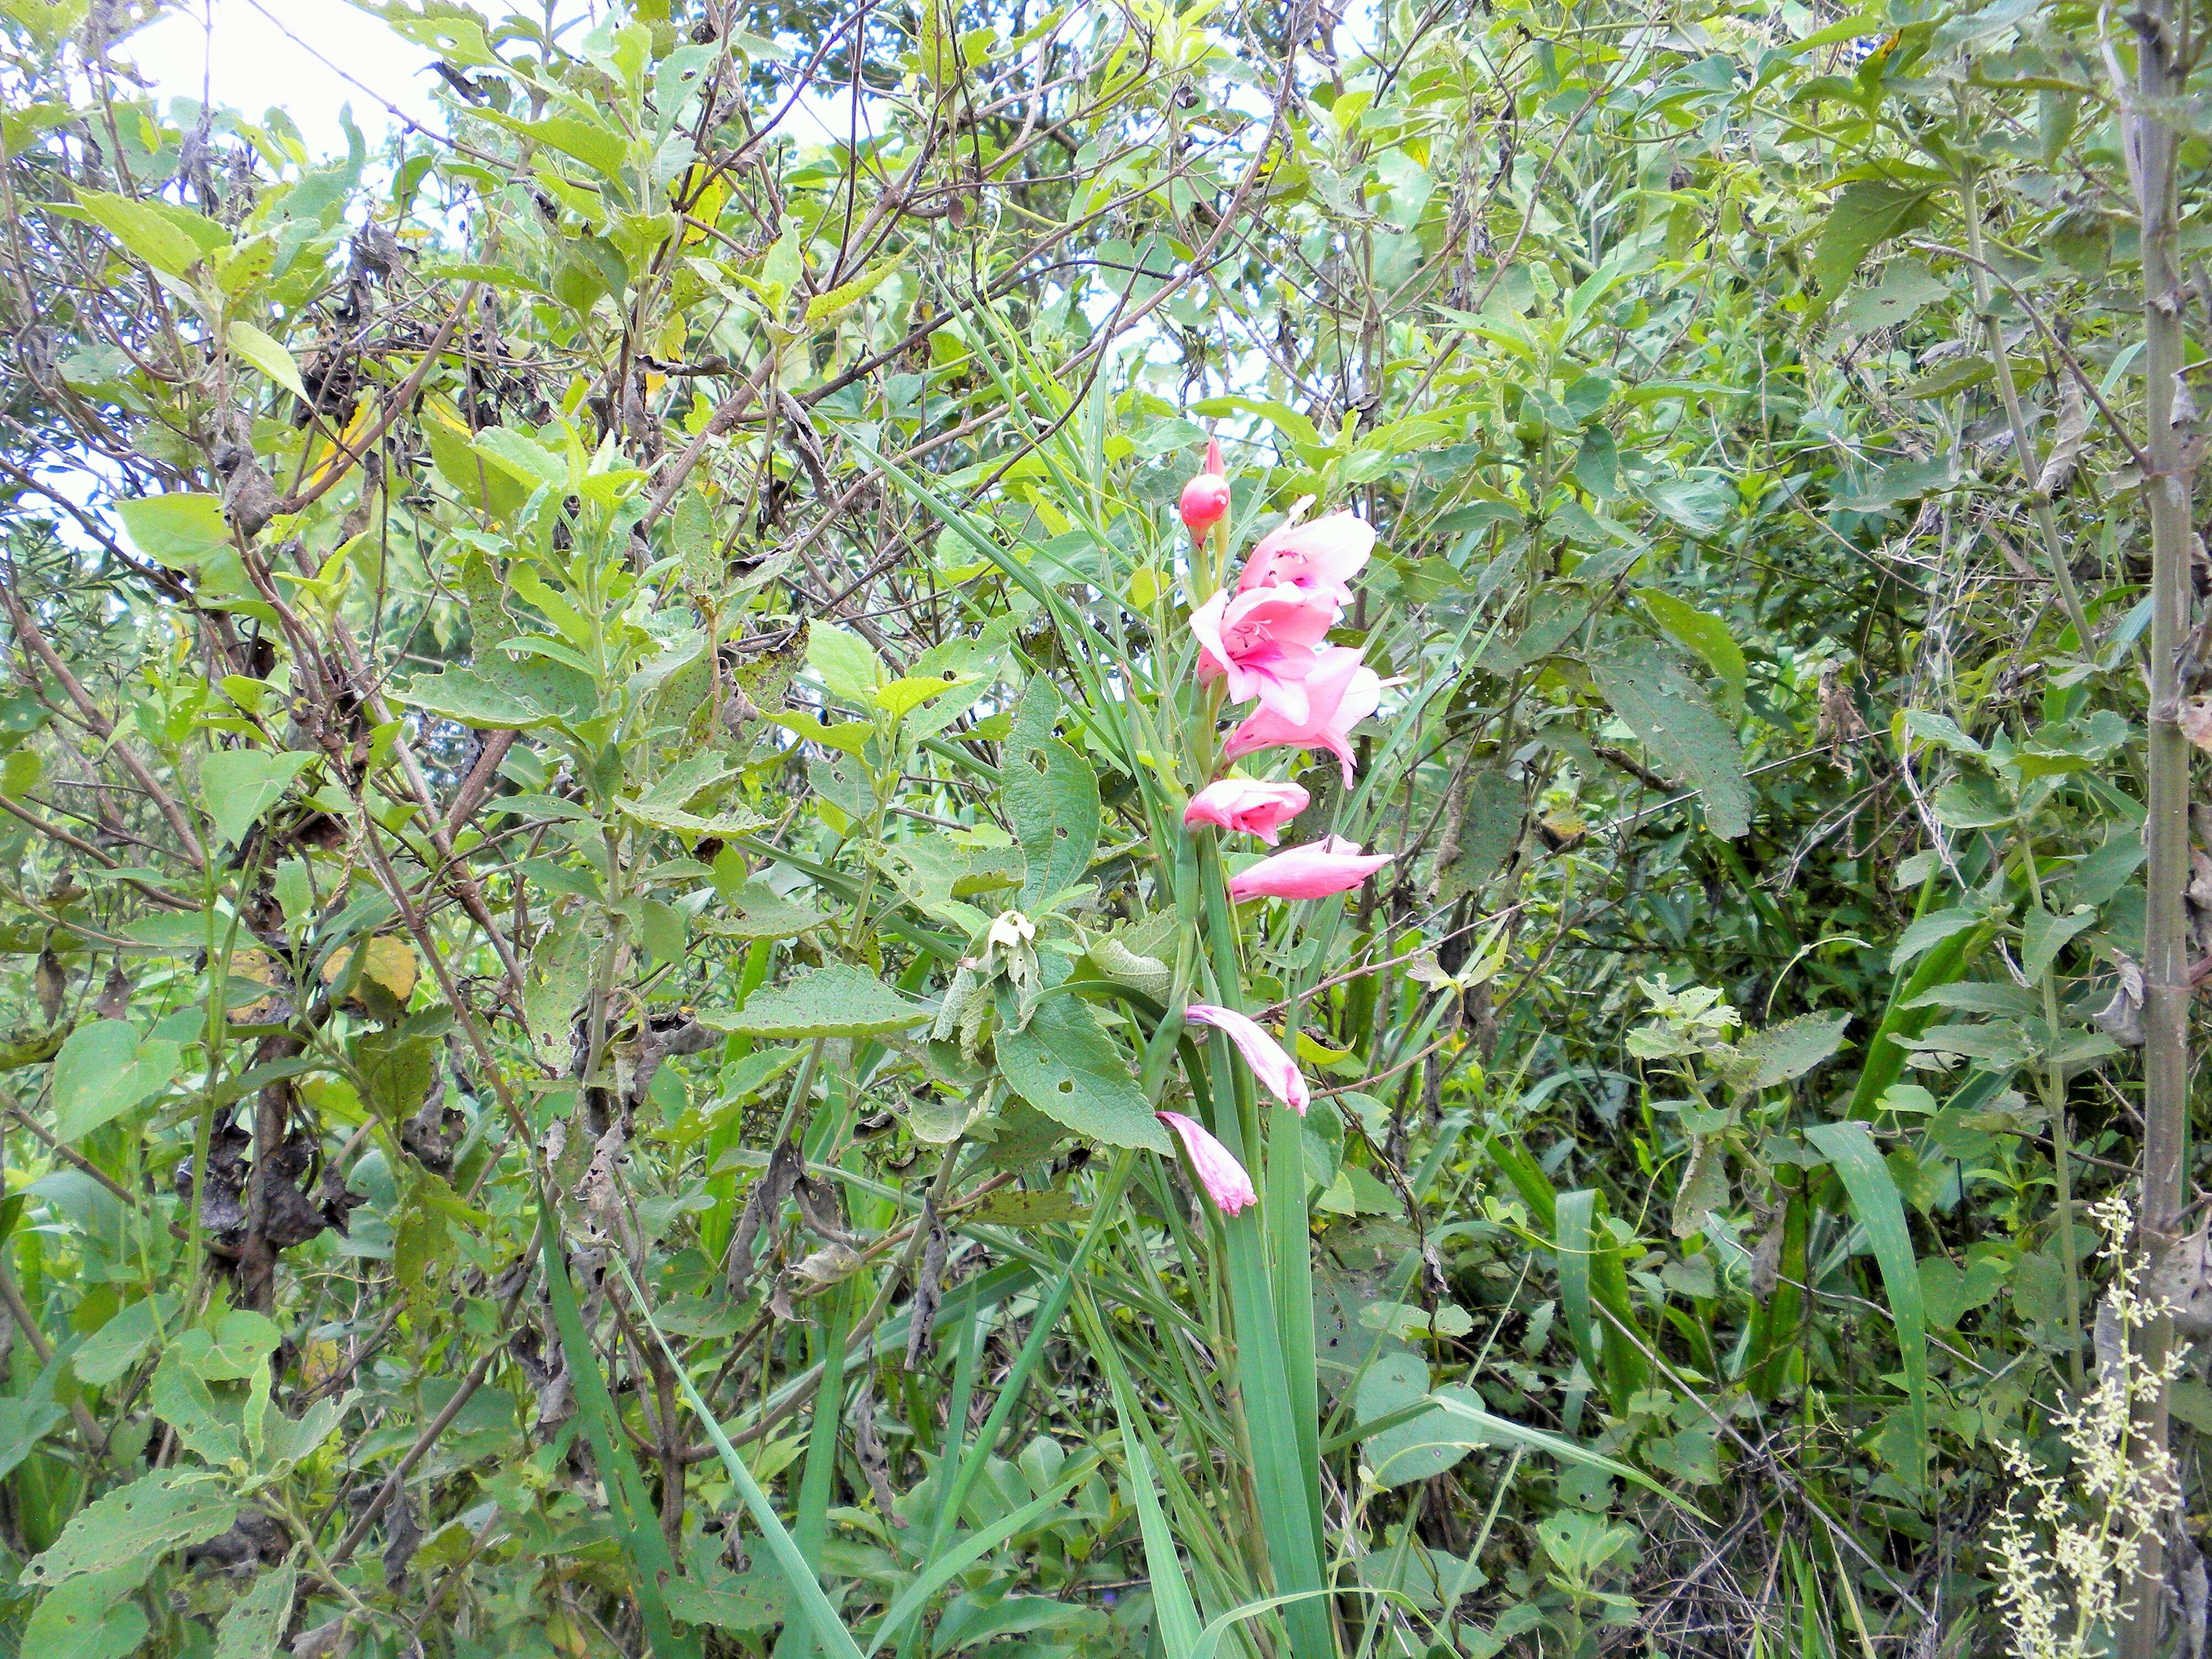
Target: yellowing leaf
270,356
389,963
903,697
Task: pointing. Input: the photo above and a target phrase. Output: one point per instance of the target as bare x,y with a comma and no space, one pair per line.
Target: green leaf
1699,506
661,930
504,696
116,1346
1705,635
1426,1444
903,696
1597,464
1788,1050
1931,930
1070,1070
835,999
1052,795
166,237
846,663
1900,481
1867,213
254,1626
522,457
24,1422
599,147
20,773
1906,289
237,786
269,356
103,1071
2044,934
757,910
137,1524
1665,708
828,308
1961,374
1941,729
89,1618
179,529
1881,1211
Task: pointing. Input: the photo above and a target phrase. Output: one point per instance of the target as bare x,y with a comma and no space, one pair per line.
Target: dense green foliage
596,902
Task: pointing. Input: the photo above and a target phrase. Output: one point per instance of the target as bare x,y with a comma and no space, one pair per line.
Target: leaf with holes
1665,708
755,911
89,1618
1070,1070
1053,795
846,783
137,1523
835,999
501,696
255,1624
1782,1052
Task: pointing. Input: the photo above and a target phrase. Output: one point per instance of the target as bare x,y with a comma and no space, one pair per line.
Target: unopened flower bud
1205,497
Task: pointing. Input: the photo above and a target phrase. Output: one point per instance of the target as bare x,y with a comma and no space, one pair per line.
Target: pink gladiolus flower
1261,1053
1319,559
1241,803
1217,1168
1264,642
1315,871
1340,691
1205,497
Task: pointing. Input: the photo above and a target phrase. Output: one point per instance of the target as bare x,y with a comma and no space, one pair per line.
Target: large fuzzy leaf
833,1000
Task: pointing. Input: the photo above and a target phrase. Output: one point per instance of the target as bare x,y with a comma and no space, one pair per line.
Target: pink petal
1215,1165
1261,1053
1340,692
1242,804
1320,557
1314,871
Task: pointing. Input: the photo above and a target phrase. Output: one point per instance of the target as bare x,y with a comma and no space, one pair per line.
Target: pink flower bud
1215,1165
1316,870
1261,1053
1205,497
1246,805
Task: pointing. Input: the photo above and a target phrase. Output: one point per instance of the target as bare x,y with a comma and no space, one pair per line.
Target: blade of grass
1881,1211
635,1518
1042,1326
817,1478
1174,1609
1281,1471
943,1569
828,1630
1588,1275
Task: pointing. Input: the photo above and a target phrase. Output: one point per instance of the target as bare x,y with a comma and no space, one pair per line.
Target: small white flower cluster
2063,1570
